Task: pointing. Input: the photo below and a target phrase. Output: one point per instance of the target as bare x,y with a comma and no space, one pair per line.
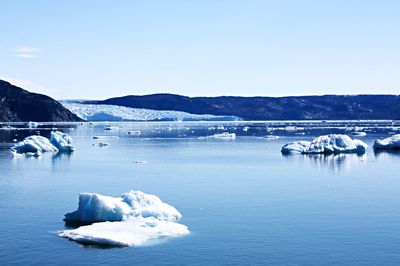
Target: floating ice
105,137
327,144
102,144
37,145
271,137
62,141
295,147
31,124
111,128
358,134
94,207
33,146
225,135
134,232
134,132
390,143
129,220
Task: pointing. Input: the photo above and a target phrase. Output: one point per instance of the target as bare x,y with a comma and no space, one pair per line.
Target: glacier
390,143
36,145
104,112
129,220
326,144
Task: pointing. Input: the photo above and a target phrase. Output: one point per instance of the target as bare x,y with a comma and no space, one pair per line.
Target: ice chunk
105,137
390,143
111,128
31,124
62,141
134,132
326,144
225,135
271,137
133,232
129,220
102,144
94,207
358,134
295,147
33,146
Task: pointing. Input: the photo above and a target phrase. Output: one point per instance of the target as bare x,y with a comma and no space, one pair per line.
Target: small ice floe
293,128
246,128
211,128
220,127
225,135
132,219
271,137
111,128
140,161
327,144
390,143
31,124
37,145
134,132
101,144
105,137
358,134
62,141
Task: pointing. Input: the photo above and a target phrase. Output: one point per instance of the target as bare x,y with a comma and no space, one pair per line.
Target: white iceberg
326,144
62,141
128,220
33,146
390,143
95,207
36,145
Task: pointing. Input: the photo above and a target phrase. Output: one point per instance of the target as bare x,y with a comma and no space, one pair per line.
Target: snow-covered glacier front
103,112
132,219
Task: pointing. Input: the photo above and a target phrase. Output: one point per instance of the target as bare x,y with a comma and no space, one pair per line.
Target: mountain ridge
321,107
20,105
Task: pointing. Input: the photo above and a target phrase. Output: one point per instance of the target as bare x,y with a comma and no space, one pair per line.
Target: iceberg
390,143
33,146
62,141
326,144
36,145
129,220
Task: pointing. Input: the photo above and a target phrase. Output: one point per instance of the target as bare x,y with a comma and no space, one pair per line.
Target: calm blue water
244,202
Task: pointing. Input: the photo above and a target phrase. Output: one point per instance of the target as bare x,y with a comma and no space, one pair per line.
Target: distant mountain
326,107
18,105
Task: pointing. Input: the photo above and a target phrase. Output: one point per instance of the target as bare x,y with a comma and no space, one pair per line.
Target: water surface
244,202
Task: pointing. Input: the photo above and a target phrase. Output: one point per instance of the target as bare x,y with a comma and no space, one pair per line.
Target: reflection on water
384,154
333,162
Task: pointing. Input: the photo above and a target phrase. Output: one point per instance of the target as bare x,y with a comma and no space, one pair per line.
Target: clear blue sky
98,49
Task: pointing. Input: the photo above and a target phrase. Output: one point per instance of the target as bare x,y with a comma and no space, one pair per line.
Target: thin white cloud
29,85
26,52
